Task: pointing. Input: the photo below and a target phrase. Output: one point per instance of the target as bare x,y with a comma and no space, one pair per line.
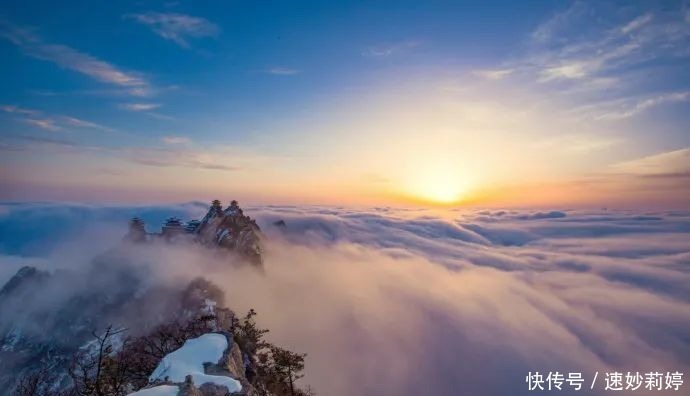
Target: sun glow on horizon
442,194
439,182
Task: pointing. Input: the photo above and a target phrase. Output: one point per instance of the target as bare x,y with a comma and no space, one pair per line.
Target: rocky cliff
112,328
227,229
209,365
55,343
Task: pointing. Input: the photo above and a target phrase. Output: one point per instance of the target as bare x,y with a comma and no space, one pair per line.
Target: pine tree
288,365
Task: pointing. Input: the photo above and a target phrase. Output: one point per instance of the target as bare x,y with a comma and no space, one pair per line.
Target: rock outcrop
24,276
228,229
224,377
45,318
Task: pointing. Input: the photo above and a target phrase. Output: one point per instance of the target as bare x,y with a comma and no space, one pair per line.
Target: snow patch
162,390
190,359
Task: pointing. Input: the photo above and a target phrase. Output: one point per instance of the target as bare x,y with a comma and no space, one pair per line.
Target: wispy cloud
493,74
139,106
41,143
560,21
175,140
282,71
52,122
115,92
19,110
578,143
176,156
606,65
76,122
628,110
145,108
178,28
163,157
160,116
667,163
567,71
636,23
69,58
43,123
48,141
563,49
581,43
385,50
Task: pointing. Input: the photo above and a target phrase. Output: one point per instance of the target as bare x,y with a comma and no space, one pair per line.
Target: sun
443,193
440,190
440,186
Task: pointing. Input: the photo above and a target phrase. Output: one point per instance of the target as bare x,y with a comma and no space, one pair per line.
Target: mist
389,301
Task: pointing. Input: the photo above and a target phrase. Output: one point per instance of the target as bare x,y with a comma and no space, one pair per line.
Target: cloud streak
621,63
160,157
175,140
282,71
674,162
493,74
139,106
564,50
19,110
45,123
52,122
179,28
636,107
386,50
71,59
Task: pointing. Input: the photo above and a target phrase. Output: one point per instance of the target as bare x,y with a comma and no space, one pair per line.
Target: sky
496,104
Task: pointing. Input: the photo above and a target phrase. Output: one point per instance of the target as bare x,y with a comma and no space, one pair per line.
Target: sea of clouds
390,301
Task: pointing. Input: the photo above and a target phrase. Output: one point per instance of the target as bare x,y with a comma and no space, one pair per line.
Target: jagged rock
187,388
209,389
35,335
162,389
235,363
231,229
46,336
23,276
109,291
231,364
228,229
280,224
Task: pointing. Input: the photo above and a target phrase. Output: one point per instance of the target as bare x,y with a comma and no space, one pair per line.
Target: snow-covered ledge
187,363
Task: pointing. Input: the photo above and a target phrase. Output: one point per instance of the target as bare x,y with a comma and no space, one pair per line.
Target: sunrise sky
493,103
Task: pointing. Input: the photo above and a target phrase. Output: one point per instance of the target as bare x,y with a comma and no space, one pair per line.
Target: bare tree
140,355
94,371
38,383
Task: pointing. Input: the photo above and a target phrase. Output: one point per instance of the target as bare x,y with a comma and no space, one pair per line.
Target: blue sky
164,99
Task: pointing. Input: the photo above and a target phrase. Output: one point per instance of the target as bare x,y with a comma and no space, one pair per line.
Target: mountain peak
229,229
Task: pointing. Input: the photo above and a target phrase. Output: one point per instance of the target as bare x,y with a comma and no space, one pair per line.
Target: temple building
137,230
228,230
172,228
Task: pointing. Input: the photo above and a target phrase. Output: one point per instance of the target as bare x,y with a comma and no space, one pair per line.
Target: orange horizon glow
433,148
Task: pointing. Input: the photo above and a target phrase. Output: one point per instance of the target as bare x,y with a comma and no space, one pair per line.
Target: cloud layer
391,301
